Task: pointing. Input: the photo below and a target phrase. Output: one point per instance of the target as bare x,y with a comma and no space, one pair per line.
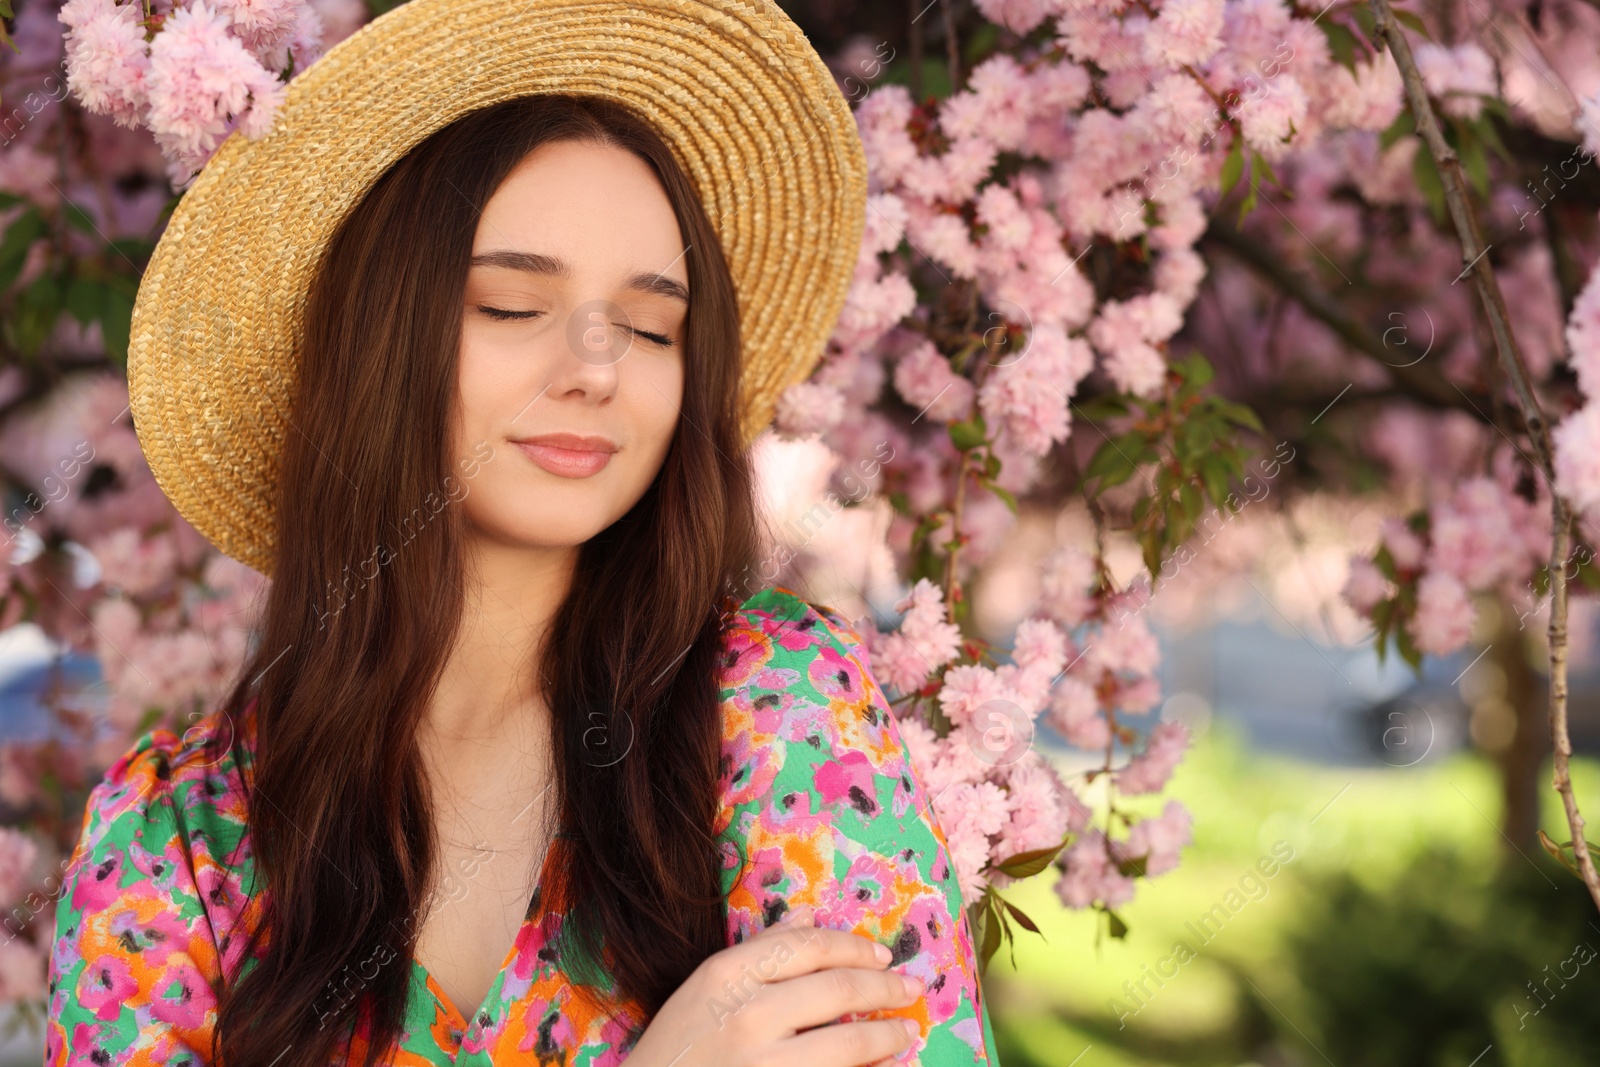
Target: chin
552,529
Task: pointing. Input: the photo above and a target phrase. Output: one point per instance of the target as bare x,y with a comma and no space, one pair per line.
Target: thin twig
1415,378
952,45
1475,256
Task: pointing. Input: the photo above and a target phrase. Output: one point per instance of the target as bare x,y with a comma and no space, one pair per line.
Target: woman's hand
773,1000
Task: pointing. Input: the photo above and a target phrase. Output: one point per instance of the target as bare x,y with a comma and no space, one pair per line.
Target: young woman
528,765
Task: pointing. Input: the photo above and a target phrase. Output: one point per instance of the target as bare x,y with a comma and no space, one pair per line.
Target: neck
488,685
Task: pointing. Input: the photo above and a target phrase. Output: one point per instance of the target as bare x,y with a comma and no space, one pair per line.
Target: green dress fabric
820,806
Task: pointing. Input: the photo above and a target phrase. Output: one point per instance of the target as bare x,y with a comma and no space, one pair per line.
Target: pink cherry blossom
924,378
806,409
968,687
1075,713
1160,839
17,855
1066,585
1365,586
1185,32
1149,771
1088,875
1445,614
1577,459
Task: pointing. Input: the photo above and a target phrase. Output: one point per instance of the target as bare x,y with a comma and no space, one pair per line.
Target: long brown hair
358,622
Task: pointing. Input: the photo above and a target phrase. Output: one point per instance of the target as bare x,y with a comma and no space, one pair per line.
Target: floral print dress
820,806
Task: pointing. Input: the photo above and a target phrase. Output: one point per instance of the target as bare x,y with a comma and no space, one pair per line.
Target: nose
589,362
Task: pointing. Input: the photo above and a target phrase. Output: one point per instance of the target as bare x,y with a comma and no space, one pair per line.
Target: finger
849,1044
784,951
823,996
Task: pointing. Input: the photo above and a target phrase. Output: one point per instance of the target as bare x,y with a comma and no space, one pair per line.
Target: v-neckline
463,1024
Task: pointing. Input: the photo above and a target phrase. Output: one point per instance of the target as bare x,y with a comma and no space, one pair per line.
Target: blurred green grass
1372,824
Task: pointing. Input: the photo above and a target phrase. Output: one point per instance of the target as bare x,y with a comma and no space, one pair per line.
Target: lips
568,455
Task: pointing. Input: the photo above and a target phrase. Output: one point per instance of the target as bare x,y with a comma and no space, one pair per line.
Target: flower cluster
191,73
1479,535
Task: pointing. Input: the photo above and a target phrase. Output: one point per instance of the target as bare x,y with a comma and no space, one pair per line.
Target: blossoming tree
1098,266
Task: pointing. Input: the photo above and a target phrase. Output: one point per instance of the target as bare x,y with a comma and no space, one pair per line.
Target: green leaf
1100,408
1341,43
1429,184
1022,919
1473,158
1189,498
1411,22
1027,864
8,200
1249,204
116,323
35,311
1233,165
1119,929
1113,463
1214,473
1405,123
1259,165
1196,369
1407,649
991,932
966,435
1363,16
84,300
1005,495
132,249
1485,128
1561,851
1241,414
1151,542
1132,868
25,229
79,219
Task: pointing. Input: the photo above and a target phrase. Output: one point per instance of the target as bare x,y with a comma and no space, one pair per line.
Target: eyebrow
535,263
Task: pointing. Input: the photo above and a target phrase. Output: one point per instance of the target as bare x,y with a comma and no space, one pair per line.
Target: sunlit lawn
1053,1006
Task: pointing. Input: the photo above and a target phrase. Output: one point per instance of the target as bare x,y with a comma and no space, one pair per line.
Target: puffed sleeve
133,969
822,807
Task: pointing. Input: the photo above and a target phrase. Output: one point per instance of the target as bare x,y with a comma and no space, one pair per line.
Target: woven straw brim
734,87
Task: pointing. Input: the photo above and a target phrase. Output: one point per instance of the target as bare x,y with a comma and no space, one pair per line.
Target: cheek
661,399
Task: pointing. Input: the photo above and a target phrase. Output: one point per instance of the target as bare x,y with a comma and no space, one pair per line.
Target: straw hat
733,86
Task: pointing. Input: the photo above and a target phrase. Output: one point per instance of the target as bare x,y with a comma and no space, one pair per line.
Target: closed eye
506,315
660,339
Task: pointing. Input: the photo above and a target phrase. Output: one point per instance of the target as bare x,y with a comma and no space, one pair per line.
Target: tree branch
1421,384
1475,254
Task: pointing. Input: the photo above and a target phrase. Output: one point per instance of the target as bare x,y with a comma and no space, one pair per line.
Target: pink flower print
105,985
620,1033
749,768
161,937
867,889
161,870
532,941
84,1047
848,780
776,679
745,651
791,633
182,996
97,888
549,1030
928,949
836,676
783,716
